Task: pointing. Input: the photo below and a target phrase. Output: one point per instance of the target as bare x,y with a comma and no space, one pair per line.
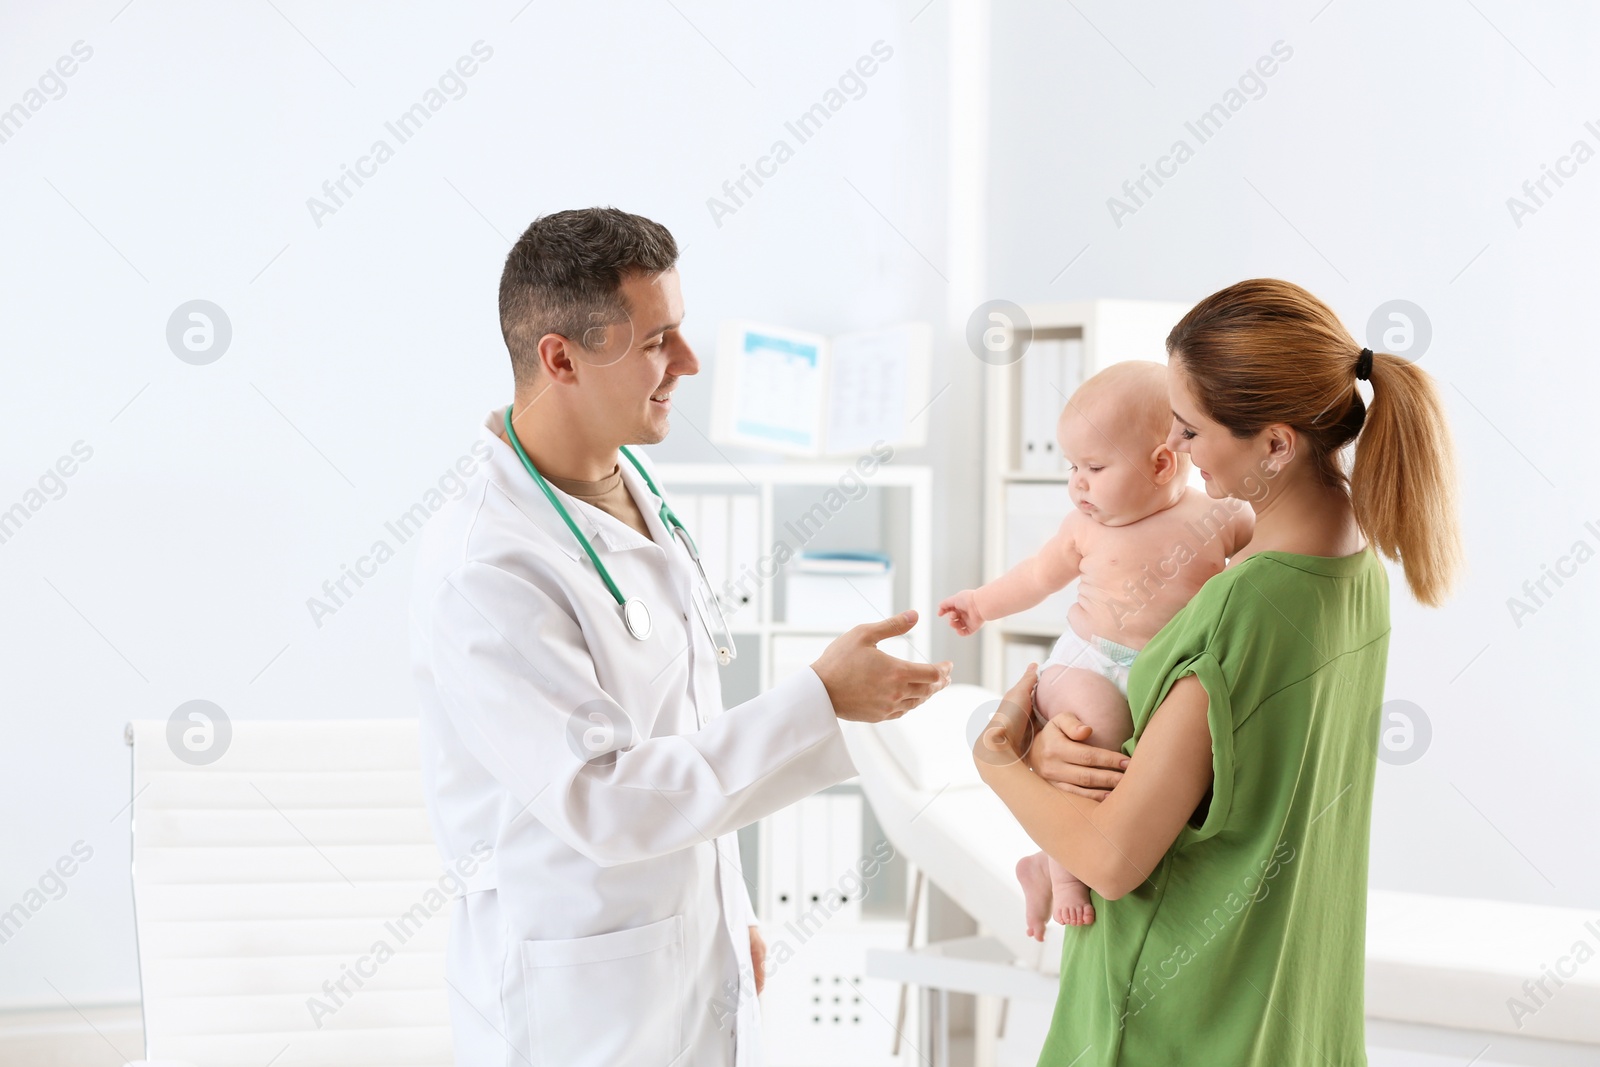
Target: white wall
177,165
218,499
1376,165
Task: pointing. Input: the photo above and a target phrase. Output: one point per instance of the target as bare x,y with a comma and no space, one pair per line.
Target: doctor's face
643,359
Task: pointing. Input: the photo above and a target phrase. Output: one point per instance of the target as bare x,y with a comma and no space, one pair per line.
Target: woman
1234,843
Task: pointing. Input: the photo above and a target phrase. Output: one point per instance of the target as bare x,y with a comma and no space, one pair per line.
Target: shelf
753,476
1037,476
755,629
1110,331
905,527
1028,629
897,520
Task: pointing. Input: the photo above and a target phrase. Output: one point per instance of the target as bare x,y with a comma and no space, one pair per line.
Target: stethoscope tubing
668,518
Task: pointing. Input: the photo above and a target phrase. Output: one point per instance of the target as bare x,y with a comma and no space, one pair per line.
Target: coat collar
605,532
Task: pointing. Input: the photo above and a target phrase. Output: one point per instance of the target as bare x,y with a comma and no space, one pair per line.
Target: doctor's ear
555,358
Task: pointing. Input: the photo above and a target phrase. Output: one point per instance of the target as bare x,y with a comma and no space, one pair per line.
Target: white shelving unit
908,527
1110,331
819,1007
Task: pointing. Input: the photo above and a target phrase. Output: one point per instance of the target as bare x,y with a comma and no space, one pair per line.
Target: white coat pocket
614,999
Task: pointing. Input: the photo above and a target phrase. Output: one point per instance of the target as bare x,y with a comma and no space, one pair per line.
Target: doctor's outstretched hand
868,685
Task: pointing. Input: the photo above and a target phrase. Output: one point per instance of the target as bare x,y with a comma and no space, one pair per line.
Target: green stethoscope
635,615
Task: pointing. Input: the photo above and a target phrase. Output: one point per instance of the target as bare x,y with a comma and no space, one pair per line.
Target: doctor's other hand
965,618
758,958
1060,756
869,685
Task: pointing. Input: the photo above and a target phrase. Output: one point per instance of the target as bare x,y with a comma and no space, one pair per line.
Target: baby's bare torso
1134,578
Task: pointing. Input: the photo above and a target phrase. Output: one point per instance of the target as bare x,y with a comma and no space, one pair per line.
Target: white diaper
1108,659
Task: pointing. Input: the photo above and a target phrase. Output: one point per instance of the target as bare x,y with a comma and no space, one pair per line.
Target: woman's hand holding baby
1056,751
963,611
1060,756
1008,736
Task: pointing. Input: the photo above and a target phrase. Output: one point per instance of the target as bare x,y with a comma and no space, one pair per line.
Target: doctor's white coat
610,925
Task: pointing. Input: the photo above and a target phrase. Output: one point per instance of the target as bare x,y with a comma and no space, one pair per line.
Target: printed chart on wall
806,394
778,388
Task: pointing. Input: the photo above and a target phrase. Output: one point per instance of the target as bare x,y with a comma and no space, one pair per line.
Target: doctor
576,754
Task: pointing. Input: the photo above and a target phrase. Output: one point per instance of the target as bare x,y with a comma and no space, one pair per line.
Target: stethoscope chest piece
636,617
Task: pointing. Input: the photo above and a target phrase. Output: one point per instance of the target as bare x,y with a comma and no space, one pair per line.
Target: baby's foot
1072,907
1034,875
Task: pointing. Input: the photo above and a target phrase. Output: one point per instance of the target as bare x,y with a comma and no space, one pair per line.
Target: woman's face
1231,466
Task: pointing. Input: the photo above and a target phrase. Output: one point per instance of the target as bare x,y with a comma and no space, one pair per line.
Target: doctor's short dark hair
563,276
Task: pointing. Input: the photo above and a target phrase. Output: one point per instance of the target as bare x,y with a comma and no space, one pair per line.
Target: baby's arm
1044,572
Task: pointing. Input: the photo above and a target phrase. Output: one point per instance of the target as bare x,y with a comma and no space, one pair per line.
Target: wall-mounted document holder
803,394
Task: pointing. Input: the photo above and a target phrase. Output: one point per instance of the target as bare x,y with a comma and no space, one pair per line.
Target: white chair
289,902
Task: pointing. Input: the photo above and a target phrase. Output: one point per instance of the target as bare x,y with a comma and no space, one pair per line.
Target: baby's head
1114,434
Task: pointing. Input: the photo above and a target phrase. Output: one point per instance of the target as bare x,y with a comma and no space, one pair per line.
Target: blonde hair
1266,351
1138,389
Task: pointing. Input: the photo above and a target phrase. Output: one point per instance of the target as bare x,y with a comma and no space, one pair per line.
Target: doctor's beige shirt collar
601,529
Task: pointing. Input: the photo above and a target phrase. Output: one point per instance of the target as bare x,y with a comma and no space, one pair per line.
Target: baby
1141,541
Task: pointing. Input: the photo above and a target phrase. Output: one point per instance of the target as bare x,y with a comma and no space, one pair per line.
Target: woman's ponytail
1266,351
1403,481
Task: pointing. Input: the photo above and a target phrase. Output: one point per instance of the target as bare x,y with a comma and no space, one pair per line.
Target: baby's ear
1165,462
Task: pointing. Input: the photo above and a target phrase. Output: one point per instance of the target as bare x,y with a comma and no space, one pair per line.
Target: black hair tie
1364,364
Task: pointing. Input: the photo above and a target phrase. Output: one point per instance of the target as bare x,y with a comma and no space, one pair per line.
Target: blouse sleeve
1219,718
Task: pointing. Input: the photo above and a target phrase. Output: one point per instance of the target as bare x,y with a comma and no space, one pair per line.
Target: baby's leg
1102,707
1034,871
1035,875
1095,700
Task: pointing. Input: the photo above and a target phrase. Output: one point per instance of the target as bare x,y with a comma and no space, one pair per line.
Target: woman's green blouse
1246,945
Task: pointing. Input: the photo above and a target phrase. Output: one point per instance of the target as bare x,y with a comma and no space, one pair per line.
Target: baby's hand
963,611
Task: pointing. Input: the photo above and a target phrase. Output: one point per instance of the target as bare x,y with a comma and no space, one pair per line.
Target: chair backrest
290,905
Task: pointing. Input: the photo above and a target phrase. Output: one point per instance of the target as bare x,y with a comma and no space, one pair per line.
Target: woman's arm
1111,845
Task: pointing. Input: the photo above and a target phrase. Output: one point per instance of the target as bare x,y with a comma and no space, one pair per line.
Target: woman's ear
1281,441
